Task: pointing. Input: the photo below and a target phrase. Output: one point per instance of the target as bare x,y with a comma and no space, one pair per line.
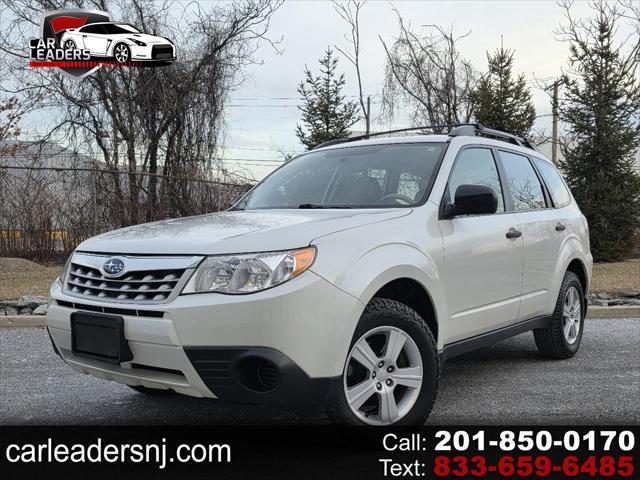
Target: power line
254,163
274,105
293,98
262,160
260,149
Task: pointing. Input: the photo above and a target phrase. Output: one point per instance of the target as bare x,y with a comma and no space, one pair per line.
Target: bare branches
165,120
350,13
427,74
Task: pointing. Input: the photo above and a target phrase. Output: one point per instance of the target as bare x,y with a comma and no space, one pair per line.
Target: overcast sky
263,113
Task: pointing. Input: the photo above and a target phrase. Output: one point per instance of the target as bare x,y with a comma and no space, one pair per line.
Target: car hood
235,231
143,37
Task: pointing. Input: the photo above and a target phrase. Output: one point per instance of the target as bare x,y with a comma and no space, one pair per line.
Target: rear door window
93,29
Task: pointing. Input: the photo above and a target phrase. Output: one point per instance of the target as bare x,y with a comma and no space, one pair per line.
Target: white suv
343,280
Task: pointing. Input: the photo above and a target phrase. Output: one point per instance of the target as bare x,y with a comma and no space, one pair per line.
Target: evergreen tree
504,102
601,108
325,113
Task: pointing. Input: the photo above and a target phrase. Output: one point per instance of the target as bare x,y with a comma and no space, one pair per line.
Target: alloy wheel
383,376
69,45
571,315
122,53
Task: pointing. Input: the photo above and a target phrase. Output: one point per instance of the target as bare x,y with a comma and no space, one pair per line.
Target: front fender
362,267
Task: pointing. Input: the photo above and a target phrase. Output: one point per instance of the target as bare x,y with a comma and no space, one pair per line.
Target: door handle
513,233
560,227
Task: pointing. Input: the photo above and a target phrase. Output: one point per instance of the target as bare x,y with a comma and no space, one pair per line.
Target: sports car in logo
120,41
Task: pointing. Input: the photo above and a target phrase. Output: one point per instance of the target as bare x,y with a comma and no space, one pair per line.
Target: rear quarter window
559,192
524,184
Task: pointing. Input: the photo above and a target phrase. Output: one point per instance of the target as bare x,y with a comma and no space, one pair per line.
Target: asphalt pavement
508,383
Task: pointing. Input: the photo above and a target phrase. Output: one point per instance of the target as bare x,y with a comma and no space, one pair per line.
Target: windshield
372,176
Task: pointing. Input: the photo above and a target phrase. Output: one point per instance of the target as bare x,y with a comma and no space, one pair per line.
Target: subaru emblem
113,267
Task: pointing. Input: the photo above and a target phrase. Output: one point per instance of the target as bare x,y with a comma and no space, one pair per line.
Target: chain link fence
45,212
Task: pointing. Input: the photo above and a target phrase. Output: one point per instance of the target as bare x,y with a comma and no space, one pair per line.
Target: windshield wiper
315,205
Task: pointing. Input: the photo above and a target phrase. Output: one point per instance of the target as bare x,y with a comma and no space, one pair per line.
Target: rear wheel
562,337
392,370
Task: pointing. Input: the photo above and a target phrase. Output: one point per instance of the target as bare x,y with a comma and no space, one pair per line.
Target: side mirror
472,200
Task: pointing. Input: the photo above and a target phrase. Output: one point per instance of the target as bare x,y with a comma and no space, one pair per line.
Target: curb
23,321
594,313
622,311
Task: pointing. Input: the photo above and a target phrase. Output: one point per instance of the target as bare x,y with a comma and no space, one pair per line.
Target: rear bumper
199,344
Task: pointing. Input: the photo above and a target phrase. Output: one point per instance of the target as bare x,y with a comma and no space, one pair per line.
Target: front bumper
204,344
153,52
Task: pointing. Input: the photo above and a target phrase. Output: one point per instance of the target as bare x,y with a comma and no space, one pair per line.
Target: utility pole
554,128
368,114
219,199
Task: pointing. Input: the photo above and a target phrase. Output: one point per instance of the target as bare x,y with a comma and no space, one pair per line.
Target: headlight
138,42
62,275
248,273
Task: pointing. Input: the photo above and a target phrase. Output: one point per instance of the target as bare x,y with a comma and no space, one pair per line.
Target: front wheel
392,370
121,53
562,337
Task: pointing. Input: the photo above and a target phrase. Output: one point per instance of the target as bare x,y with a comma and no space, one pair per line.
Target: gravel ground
505,384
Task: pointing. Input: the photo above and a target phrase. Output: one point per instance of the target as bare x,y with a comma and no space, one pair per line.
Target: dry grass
609,277
21,277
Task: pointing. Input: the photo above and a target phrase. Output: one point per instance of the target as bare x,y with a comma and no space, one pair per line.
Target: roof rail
336,141
482,131
453,129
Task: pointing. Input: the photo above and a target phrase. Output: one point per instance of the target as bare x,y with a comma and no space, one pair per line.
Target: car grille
154,285
159,52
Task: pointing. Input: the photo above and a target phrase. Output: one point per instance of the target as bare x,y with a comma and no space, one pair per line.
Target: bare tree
165,120
9,124
13,107
630,10
427,74
350,13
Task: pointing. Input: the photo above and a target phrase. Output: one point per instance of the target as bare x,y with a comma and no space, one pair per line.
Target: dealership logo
113,267
79,42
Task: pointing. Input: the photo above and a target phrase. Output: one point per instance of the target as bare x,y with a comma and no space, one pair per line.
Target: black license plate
100,337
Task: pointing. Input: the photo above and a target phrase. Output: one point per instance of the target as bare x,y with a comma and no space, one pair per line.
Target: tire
69,45
121,53
387,384
555,341
154,392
